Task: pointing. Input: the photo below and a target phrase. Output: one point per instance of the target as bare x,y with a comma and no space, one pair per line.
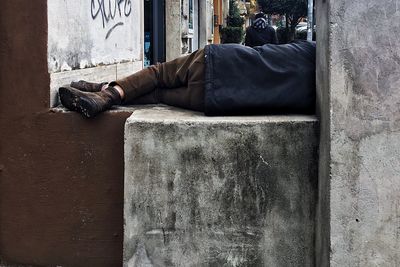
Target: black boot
88,86
89,104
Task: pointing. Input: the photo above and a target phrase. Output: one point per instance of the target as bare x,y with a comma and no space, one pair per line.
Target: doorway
154,32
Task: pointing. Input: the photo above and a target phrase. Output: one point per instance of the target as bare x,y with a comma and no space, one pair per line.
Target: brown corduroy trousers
179,83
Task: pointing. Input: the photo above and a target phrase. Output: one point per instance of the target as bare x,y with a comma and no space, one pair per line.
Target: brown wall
61,176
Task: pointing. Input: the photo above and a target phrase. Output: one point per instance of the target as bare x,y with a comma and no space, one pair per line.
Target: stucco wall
87,33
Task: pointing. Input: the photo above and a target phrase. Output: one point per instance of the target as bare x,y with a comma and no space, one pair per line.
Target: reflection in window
191,15
148,33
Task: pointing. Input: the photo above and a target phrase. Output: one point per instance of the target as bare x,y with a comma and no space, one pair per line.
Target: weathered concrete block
219,191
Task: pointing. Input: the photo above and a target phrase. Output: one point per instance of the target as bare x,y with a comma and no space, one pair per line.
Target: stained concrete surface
361,132
209,191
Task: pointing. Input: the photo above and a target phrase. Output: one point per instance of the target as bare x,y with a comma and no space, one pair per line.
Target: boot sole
73,100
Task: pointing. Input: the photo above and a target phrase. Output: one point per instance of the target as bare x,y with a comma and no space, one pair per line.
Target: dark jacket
258,37
261,80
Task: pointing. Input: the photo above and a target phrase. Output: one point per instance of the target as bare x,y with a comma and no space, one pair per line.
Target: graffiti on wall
110,11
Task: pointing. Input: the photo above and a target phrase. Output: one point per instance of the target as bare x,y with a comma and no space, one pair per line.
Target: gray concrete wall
173,29
224,191
360,144
203,37
88,35
322,241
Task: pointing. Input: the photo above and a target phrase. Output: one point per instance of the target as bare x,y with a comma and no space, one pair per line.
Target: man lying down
226,79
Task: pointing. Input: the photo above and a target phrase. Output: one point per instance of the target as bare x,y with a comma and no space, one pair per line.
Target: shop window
154,32
191,17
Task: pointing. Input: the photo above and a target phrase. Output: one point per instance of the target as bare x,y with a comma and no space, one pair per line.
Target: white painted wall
92,33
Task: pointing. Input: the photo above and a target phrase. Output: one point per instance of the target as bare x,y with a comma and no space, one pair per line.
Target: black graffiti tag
110,11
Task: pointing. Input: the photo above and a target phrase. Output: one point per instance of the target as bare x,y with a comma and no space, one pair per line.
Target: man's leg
184,72
176,73
190,96
183,97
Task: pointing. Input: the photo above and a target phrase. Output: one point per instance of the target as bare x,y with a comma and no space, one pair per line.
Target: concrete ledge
219,191
62,109
94,74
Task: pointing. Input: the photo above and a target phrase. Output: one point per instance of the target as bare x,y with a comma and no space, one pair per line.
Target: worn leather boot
89,104
88,86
